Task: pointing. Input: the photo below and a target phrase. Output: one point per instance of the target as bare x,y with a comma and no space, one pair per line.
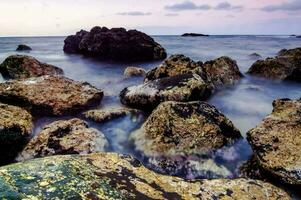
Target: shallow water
245,104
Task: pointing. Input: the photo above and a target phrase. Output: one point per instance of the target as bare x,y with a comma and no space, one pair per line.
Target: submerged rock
64,137
134,71
115,44
194,35
255,56
113,176
20,66
185,87
276,142
15,127
50,95
285,66
23,47
193,128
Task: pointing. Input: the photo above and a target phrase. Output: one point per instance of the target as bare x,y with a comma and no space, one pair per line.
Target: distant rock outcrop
194,35
23,47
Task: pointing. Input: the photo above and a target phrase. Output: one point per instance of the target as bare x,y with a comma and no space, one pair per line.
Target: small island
194,35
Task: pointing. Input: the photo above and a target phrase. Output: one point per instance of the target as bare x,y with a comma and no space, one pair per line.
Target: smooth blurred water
245,104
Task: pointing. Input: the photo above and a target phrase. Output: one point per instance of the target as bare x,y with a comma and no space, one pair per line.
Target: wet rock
193,128
285,66
298,36
255,56
102,115
186,87
50,95
115,44
23,47
113,176
64,137
21,66
251,169
276,141
15,127
134,71
194,35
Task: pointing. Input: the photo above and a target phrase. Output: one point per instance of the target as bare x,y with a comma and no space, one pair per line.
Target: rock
194,35
50,95
255,56
103,115
176,128
285,66
276,141
186,87
113,176
298,36
23,47
15,128
251,169
21,66
134,71
115,44
64,137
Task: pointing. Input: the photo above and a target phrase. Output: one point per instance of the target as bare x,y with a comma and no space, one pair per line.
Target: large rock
15,128
21,66
23,47
185,87
276,142
115,44
64,137
113,176
285,66
193,128
50,95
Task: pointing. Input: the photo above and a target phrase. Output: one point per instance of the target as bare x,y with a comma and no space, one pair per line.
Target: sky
155,17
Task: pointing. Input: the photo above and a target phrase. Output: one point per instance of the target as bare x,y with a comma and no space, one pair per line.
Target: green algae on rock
113,176
276,141
21,66
64,137
15,127
50,95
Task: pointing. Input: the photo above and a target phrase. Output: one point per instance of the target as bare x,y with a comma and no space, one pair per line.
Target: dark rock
64,137
50,95
194,35
23,47
115,44
276,141
299,36
20,66
255,56
134,71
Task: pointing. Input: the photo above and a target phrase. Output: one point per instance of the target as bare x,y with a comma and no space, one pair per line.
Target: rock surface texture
64,137
113,176
134,71
20,66
115,44
50,95
276,142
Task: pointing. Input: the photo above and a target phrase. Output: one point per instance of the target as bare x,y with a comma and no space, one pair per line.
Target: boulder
285,66
15,127
276,141
23,47
64,137
185,87
113,176
21,66
134,71
115,44
194,35
50,95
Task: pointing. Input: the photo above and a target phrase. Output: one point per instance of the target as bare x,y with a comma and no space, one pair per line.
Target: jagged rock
185,87
50,95
21,66
134,71
115,44
64,137
176,128
276,142
251,169
285,66
23,47
15,127
194,35
113,176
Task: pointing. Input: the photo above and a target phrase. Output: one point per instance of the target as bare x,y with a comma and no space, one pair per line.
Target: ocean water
246,103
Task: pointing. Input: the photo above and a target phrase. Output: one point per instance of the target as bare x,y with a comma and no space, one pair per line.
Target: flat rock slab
113,176
50,95
64,137
276,141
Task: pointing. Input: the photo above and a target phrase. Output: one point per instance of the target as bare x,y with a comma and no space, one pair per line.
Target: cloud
171,14
134,13
227,6
286,6
187,5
